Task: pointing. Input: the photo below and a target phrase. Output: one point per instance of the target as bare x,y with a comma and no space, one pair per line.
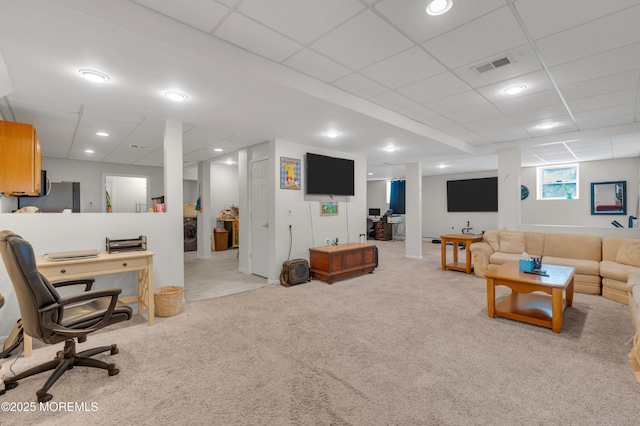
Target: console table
104,263
331,263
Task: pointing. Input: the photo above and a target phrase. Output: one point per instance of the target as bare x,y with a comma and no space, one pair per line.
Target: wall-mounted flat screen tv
329,175
472,195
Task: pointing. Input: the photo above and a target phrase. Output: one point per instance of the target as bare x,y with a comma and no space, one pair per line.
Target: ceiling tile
440,86
528,102
626,146
620,30
393,100
410,16
316,65
202,14
536,114
360,86
439,122
362,41
469,115
404,68
591,149
505,134
464,100
249,35
536,82
418,112
498,122
623,114
613,62
302,20
492,33
555,153
604,101
523,60
566,13
600,86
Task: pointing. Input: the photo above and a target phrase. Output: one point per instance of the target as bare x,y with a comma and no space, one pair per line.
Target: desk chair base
65,360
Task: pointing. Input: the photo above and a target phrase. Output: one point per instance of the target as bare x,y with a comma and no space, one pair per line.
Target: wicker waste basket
168,300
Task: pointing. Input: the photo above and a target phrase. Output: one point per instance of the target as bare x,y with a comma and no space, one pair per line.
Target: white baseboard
414,257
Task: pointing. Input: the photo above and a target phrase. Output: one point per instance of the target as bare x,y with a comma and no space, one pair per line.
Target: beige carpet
407,345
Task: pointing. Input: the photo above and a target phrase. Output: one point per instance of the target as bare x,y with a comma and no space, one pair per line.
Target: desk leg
443,249
145,293
491,298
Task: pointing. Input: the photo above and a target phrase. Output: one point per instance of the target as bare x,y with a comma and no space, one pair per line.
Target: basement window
558,182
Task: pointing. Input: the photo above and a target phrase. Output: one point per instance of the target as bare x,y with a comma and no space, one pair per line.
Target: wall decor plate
524,192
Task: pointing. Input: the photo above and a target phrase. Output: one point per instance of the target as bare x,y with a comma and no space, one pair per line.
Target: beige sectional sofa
583,252
620,261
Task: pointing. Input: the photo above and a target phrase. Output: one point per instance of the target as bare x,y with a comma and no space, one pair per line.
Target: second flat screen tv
472,195
329,175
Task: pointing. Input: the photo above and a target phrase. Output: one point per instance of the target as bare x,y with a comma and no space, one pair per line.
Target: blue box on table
526,265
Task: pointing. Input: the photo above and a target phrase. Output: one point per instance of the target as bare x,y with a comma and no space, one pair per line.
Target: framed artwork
289,173
609,198
328,208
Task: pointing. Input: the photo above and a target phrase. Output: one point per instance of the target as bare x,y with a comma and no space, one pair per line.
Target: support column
413,216
509,188
173,189
204,218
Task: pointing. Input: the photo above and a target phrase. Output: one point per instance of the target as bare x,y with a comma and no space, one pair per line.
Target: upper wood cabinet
20,159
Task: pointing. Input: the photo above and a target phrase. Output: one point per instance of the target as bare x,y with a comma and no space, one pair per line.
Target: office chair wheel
114,349
8,386
112,370
44,397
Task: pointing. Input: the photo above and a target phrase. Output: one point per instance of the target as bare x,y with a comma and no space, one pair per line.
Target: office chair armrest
89,295
88,283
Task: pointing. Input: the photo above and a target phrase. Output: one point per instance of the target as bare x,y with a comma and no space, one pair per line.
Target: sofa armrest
481,251
632,281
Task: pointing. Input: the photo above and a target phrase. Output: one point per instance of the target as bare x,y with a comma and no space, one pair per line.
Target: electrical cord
290,241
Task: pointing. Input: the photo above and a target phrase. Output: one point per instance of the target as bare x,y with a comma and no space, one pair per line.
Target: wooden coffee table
524,305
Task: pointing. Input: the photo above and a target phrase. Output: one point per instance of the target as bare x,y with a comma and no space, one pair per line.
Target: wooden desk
456,239
331,263
140,261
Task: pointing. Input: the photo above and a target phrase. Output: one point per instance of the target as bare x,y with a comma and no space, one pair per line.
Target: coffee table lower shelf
531,308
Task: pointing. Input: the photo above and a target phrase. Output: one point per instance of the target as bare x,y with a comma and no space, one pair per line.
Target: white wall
224,188
377,195
436,221
62,232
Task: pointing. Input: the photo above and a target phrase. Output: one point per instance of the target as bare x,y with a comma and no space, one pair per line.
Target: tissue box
526,265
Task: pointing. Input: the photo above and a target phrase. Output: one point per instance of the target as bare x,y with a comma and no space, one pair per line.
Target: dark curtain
397,197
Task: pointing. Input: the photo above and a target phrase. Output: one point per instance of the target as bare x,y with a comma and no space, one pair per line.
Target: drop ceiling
379,72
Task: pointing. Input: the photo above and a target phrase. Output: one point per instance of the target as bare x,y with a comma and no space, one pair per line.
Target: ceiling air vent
137,146
501,62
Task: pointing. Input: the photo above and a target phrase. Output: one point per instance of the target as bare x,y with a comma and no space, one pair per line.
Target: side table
456,239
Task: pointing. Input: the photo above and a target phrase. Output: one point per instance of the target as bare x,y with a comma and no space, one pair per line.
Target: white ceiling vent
137,146
497,63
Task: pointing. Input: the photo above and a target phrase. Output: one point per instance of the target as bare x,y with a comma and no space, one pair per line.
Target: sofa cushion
617,271
493,239
586,267
573,246
498,258
629,252
512,242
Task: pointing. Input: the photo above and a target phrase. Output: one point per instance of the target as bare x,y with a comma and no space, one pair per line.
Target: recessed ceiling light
442,166
514,90
332,134
390,148
93,75
89,151
229,162
176,96
439,7
218,149
546,126
104,134
370,174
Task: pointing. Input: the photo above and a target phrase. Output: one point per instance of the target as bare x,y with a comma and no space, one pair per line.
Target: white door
259,218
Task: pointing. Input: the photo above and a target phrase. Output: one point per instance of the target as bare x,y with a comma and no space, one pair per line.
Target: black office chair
52,318
371,230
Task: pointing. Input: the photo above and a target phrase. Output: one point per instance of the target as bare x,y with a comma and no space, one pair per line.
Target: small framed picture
289,173
328,208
